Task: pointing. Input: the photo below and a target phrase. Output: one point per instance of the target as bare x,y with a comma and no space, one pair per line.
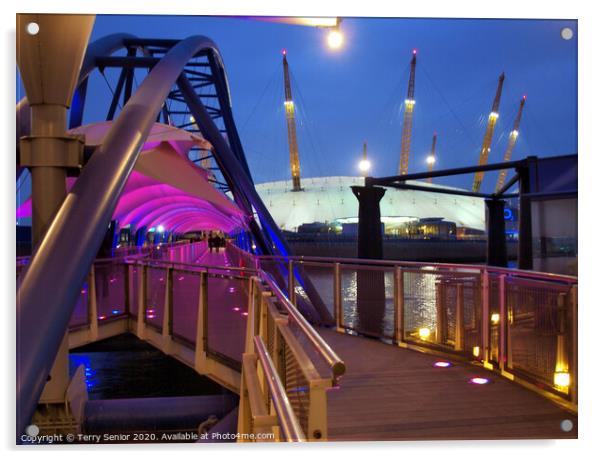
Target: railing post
574,342
140,323
484,354
291,283
398,293
317,425
167,311
459,338
503,328
251,316
126,287
92,305
338,300
200,352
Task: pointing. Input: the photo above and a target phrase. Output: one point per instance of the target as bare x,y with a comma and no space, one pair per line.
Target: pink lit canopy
165,188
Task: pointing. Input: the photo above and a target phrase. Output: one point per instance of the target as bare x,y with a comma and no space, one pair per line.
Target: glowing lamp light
411,102
364,165
335,39
562,379
160,228
514,133
495,318
181,278
284,51
245,313
414,51
192,120
494,115
231,290
289,104
115,311
236,309
476,351
430,159
103,317
479,381
424,333
442,364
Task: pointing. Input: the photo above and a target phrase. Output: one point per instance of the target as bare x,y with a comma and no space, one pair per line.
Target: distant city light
424,333
430,159
479,381
335,39
495,318
364,165
442,364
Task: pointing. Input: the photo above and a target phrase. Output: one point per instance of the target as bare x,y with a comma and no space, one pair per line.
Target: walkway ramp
397,394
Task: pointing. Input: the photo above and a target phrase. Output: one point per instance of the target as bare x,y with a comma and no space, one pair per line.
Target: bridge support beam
370,283
369,228
496,233
525,232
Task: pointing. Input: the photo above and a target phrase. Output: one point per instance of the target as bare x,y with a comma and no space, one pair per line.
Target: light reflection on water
419,298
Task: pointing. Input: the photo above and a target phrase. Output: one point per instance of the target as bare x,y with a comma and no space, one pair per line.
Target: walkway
389,393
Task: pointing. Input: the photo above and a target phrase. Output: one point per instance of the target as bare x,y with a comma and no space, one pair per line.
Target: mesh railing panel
535,324
110,289
367,299
135,279
80,317
297,387
156,281
227,304
186,286
420,305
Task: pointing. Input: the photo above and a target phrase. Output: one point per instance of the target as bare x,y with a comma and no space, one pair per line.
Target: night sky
354,94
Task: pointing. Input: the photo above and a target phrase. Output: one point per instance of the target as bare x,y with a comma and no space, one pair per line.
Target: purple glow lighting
245,313
103,317
479,381
231,290
236,309
115,311
442,364
150,313
181,278
83,291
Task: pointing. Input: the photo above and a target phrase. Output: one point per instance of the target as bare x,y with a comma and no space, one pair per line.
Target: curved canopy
165,185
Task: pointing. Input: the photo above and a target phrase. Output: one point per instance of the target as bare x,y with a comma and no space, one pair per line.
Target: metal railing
290,351
522,324
230,323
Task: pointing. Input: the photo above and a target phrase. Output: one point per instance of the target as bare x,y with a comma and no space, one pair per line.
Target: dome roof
326,199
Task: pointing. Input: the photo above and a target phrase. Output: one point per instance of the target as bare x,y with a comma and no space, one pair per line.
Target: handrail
289,423
393,263
336,364
194,265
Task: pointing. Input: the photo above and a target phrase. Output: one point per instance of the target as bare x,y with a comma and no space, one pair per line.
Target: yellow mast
486,147
406,136
291,126
511,142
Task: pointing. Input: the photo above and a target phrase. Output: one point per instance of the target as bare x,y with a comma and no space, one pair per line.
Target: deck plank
391,393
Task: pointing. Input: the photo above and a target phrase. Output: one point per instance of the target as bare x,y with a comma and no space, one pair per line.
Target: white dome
326,199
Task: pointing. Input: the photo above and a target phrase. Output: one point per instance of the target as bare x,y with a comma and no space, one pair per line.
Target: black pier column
525,233
369,228
496,233
370,299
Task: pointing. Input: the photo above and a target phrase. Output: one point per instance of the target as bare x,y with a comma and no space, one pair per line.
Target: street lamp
335,38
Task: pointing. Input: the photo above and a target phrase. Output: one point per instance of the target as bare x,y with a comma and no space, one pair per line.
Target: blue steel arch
80,223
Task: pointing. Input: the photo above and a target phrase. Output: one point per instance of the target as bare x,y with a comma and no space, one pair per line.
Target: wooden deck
390,393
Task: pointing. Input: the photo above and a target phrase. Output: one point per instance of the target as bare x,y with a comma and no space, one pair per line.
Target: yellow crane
486,147
432,158
289,107
408,113
511,143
